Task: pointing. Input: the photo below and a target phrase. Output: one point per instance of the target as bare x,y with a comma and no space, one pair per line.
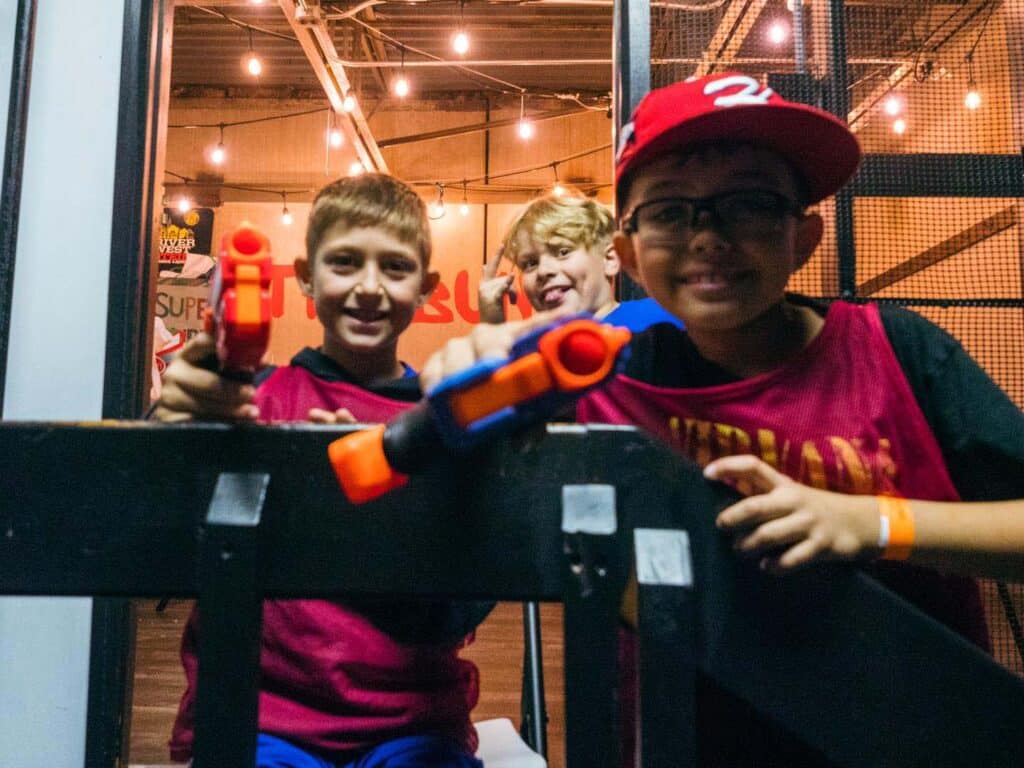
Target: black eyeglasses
745,211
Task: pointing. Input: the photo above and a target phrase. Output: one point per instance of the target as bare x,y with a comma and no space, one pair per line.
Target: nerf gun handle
238,316
547,370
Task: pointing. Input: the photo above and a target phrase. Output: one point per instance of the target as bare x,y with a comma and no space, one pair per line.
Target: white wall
57,345
8,14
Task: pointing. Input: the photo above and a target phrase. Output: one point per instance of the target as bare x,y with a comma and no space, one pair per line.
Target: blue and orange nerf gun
546,370
238,315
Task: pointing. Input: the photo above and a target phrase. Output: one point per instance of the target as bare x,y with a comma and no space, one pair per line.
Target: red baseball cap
728,106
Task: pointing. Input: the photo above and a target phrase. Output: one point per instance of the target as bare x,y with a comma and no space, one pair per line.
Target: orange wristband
895,527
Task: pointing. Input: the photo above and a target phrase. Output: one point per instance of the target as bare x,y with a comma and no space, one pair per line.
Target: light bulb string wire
473,74
468,184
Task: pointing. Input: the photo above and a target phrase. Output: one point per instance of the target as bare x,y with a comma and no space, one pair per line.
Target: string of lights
436,210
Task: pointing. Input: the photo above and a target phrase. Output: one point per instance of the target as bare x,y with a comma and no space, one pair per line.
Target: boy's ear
623,246
304,276
808,236
612,264
430,281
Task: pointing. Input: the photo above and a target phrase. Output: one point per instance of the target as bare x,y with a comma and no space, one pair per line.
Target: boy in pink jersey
365,682
829,417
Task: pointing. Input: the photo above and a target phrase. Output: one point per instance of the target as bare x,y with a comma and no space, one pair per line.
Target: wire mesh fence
935,93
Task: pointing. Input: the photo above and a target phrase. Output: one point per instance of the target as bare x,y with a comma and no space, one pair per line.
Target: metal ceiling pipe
473,63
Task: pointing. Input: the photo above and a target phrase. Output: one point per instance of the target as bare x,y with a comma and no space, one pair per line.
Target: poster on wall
183,284
186,240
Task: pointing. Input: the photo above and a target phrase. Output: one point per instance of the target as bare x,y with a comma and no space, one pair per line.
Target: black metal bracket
668,649
229,647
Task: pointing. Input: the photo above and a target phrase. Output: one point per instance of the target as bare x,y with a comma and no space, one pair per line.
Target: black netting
935,93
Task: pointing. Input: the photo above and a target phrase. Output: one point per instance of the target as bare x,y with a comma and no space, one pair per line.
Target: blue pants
410,752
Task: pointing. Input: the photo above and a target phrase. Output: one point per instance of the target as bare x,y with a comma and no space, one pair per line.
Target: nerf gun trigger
362,467
238,316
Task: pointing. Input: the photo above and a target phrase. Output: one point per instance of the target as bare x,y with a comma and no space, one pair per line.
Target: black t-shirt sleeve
979,429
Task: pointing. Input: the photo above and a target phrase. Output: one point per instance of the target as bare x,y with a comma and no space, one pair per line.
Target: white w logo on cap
748,95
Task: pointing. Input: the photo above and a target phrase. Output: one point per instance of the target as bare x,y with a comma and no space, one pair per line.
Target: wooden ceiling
553,48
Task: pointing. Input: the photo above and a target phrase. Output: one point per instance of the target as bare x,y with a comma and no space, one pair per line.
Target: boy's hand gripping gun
238,316
546,370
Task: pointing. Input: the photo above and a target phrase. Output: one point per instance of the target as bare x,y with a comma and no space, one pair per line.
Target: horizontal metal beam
940,175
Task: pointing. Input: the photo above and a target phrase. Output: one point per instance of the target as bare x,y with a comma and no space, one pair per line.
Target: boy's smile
366,284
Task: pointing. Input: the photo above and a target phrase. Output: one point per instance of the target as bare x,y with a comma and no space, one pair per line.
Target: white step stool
501,747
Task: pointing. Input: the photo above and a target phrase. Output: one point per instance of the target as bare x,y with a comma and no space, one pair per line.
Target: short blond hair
578,219
370,200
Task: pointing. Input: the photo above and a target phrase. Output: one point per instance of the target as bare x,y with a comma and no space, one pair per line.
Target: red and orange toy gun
546,371
238,316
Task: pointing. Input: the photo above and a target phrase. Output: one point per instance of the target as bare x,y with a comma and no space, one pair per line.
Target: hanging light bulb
436,209
335,138
218,155
972,100
464,207
899,126
286,215
400,85
778,33
252,62
460,40
557,190
525,126
348,103
893,105
356,168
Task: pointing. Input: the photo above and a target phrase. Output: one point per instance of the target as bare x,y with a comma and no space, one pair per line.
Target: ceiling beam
732,30
476,127
373,48
310,28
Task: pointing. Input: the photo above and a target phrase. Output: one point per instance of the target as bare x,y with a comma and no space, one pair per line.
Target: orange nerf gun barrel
238,316
546,371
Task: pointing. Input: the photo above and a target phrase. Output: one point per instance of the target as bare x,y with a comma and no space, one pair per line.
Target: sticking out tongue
554,296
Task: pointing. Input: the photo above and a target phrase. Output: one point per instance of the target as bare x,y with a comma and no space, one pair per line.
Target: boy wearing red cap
829,417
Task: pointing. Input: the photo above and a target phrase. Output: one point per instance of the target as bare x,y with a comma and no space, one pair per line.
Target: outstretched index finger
491,267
